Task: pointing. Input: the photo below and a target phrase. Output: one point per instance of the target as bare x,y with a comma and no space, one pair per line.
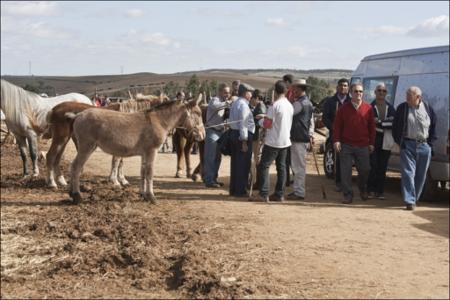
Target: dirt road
199,242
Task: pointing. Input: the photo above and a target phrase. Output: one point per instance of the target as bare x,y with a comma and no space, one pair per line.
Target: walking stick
324,194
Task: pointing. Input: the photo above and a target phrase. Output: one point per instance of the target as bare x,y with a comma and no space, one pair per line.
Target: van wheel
328,162
430,190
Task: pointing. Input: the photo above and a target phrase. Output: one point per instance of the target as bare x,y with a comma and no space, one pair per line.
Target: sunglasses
358,91
382,91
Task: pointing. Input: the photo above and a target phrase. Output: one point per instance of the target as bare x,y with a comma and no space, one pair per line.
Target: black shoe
364,196
276,198
410,206
294,196
219,183
213,185
380,196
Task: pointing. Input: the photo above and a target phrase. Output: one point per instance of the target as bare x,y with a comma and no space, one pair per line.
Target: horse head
193,122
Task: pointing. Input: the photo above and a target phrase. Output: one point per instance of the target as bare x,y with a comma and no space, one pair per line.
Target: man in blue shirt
242,128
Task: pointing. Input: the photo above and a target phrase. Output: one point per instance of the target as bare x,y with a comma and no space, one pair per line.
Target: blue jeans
414,162
269,154
212,156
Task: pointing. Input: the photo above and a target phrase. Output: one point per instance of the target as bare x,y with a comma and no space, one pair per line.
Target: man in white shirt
277,141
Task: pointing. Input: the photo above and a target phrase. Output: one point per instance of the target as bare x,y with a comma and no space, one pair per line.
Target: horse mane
15,101
162,105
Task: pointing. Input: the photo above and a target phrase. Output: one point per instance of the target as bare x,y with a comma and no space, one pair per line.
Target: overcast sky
87,38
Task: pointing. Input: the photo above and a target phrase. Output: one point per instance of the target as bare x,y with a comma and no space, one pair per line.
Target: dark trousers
378,165
240,164
337,161
269,154
360,155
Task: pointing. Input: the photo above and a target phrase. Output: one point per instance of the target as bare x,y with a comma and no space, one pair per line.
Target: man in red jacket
354,139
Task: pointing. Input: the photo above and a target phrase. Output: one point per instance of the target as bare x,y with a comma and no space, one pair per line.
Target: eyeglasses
358,91
382,91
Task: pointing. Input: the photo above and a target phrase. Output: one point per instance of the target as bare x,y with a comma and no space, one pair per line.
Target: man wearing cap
354,139
242,127
302,133
214,117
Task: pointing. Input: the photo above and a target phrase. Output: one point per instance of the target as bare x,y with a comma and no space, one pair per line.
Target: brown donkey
130,134
61,132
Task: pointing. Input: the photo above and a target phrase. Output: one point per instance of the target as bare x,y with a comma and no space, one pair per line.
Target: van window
370,84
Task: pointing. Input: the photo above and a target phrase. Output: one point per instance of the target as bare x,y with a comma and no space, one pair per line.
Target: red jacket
354,127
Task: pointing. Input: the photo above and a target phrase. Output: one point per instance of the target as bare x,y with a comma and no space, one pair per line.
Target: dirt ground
201,243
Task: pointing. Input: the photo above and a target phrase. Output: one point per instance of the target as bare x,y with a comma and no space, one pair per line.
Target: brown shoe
259,198
348,200
276,198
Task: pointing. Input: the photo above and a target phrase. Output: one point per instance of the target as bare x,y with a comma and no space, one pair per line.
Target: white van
428,69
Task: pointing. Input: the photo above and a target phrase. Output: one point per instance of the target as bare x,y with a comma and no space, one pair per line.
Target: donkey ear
199,99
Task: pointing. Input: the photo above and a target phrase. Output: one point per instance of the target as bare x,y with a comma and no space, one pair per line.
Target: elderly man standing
242,128
384,113
414,130
354,139
278,123
302,133
214,117
330,108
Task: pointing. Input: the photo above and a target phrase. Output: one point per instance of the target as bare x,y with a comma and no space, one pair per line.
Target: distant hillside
141,82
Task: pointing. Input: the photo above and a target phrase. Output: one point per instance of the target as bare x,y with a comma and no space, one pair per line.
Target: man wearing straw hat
302,133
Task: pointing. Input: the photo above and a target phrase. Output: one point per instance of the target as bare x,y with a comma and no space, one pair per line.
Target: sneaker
276,198
259,198
294,196
410,206
219,183
371,195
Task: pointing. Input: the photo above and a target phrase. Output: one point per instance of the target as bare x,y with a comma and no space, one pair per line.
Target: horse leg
84,151
187,156
122,178
59,176
33,145
149,195
114,170
198,171
181,145
22,143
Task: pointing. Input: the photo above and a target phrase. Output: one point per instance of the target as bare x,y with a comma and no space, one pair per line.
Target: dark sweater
354,127
399,127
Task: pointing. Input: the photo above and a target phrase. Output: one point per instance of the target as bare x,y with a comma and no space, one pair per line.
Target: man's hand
244,146
371,148
337,147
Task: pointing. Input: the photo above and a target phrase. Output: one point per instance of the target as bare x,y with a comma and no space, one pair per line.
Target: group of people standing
362,134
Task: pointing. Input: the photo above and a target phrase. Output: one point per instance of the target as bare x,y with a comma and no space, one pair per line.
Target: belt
420,141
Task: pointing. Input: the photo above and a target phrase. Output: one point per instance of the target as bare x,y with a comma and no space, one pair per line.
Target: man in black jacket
330,108
414,130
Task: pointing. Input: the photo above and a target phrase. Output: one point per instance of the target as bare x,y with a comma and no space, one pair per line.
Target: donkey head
193,122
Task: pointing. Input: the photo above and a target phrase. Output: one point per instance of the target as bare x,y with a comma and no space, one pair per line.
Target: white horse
25,115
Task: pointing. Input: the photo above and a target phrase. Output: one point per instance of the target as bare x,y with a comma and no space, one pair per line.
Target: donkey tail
70,115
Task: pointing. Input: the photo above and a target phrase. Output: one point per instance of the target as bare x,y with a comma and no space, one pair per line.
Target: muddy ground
201,243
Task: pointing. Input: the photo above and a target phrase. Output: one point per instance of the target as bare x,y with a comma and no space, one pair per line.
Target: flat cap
244,87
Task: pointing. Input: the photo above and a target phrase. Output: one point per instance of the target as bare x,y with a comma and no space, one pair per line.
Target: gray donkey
130,134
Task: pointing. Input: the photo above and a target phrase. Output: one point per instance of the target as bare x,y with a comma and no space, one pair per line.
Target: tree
193,85
319,89
171,89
